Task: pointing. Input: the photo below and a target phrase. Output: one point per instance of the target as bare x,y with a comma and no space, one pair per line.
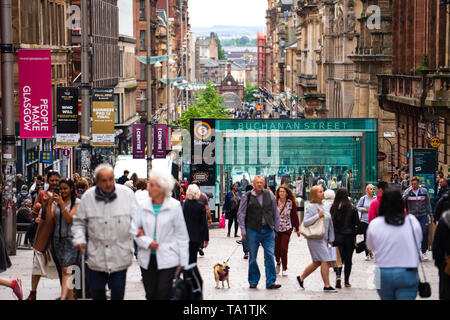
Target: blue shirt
156,210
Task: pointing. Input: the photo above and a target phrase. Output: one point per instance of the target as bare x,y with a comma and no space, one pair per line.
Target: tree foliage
249,92
208,104
221,52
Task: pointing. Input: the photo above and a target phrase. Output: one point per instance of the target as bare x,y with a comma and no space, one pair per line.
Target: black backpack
188,284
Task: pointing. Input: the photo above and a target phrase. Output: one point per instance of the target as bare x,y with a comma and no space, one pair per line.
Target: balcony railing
400,85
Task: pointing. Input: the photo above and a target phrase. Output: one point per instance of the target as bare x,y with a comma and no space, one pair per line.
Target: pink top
374,206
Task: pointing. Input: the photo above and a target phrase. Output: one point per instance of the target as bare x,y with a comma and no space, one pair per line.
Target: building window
143,73
143,99
116,109
41,26
142,10
121,63
142,40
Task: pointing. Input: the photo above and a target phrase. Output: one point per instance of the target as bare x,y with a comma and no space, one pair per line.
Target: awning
164,80
129,122
154,59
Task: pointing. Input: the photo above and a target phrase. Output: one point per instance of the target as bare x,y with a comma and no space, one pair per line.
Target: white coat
171,234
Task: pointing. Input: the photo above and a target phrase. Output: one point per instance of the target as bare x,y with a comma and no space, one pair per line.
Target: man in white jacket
103,221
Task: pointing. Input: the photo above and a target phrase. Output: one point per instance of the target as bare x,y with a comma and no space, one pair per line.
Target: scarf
99,196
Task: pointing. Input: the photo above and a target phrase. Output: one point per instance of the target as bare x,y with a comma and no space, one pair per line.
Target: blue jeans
423,220
267,239
116,281
397,283
245,245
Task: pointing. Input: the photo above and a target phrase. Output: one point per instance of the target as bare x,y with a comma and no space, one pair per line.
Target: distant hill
229,32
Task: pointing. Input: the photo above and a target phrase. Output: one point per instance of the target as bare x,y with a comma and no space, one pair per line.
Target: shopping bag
431,232
333,254
222,222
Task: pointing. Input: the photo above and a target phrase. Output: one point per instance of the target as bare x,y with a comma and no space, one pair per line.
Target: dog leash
233,253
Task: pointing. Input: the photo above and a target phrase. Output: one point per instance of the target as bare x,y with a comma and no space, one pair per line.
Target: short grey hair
193,192
103,166
165,180
329,194
259,177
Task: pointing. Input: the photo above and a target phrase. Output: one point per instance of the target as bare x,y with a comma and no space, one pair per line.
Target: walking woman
441,254
196,222
345,221
162,237
363,207
318,248
287,204
5,263
231,207
395,239
63,209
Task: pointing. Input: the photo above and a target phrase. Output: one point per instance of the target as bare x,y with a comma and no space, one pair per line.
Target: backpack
188,284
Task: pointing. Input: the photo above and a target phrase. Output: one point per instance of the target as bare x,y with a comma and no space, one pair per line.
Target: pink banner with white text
35,93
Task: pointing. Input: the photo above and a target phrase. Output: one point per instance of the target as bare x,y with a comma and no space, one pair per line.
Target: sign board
103,117
139,141
423,164
389,134
67,116
35,93
435,142
160,132
46,157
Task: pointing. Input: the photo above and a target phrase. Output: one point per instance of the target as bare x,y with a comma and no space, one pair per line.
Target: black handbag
360,247
424,287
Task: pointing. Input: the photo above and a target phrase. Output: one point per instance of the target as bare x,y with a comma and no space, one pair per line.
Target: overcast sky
208,13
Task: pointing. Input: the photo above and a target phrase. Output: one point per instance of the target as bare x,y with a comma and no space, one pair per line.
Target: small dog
221,273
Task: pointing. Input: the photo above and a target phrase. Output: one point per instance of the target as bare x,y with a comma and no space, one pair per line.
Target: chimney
229,68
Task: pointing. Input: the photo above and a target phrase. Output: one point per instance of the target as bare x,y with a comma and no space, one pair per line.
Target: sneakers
300,283
228,234
330,289
253,286
239,241
274,286
246,255
17,289
368,258
278,268
338,283
348,285
32,295
200,250
284,273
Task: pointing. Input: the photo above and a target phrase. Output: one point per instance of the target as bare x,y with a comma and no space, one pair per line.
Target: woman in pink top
375,205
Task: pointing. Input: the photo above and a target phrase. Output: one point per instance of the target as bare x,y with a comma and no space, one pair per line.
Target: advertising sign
35,94
139,141
67,116
159,141
103,117
423,164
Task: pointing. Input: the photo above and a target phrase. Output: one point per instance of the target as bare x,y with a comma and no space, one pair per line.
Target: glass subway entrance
300,153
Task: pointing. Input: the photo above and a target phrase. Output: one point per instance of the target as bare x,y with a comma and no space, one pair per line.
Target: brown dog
221,273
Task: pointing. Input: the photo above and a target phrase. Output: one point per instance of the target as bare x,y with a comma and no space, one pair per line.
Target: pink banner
35,93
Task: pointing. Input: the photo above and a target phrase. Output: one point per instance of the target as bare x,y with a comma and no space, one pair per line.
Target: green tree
249,92
208,104
221,52
243,41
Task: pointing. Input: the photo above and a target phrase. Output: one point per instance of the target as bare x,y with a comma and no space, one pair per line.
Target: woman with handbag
345,221
363,207
395,239
231,207
318,248
287,204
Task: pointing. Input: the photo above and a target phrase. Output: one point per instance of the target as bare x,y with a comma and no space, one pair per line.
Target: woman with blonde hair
318,248
363,208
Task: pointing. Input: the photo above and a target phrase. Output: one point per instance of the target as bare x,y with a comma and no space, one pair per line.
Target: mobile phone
56,190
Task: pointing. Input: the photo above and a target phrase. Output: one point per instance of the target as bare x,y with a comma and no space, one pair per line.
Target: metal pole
149,88
187,57
85,91
168,63
8,128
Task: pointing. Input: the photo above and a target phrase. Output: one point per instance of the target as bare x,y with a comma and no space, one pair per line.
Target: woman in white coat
161,234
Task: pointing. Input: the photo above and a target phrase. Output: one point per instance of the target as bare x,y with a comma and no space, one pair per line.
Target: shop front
300,153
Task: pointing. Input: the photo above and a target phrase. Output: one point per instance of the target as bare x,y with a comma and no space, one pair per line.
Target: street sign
46,157
66,153
389,134
381,156
435,142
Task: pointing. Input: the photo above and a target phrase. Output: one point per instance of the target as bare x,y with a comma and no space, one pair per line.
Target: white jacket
141,196
171,234
107,227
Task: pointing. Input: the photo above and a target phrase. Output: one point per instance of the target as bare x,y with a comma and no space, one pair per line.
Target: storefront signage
435,142
35,93
423,164
67,116
139,141
103,117
159,141
46,157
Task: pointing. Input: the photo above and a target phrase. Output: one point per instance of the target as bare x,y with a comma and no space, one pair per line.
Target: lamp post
168,62
149,89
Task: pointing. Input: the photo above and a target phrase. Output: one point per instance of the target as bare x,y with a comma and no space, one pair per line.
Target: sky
125,17
209,13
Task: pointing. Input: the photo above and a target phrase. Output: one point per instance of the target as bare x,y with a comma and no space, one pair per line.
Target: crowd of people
165,224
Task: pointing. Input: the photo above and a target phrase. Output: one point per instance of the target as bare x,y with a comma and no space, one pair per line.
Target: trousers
281,247
157,283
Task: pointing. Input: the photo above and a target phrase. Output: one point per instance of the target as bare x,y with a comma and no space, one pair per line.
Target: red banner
35,93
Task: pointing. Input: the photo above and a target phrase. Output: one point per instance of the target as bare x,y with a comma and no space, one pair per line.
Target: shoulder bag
314,231
424,287
44,230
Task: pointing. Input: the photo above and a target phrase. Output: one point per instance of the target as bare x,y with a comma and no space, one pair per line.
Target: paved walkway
219,250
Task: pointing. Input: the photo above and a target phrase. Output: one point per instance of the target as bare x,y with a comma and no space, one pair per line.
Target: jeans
233,218
346,248
397,283
245,245
423,220
267,239
116,281
281,247
157,283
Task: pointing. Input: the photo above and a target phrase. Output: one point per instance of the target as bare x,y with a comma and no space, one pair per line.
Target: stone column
355,113
373,101
364,100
